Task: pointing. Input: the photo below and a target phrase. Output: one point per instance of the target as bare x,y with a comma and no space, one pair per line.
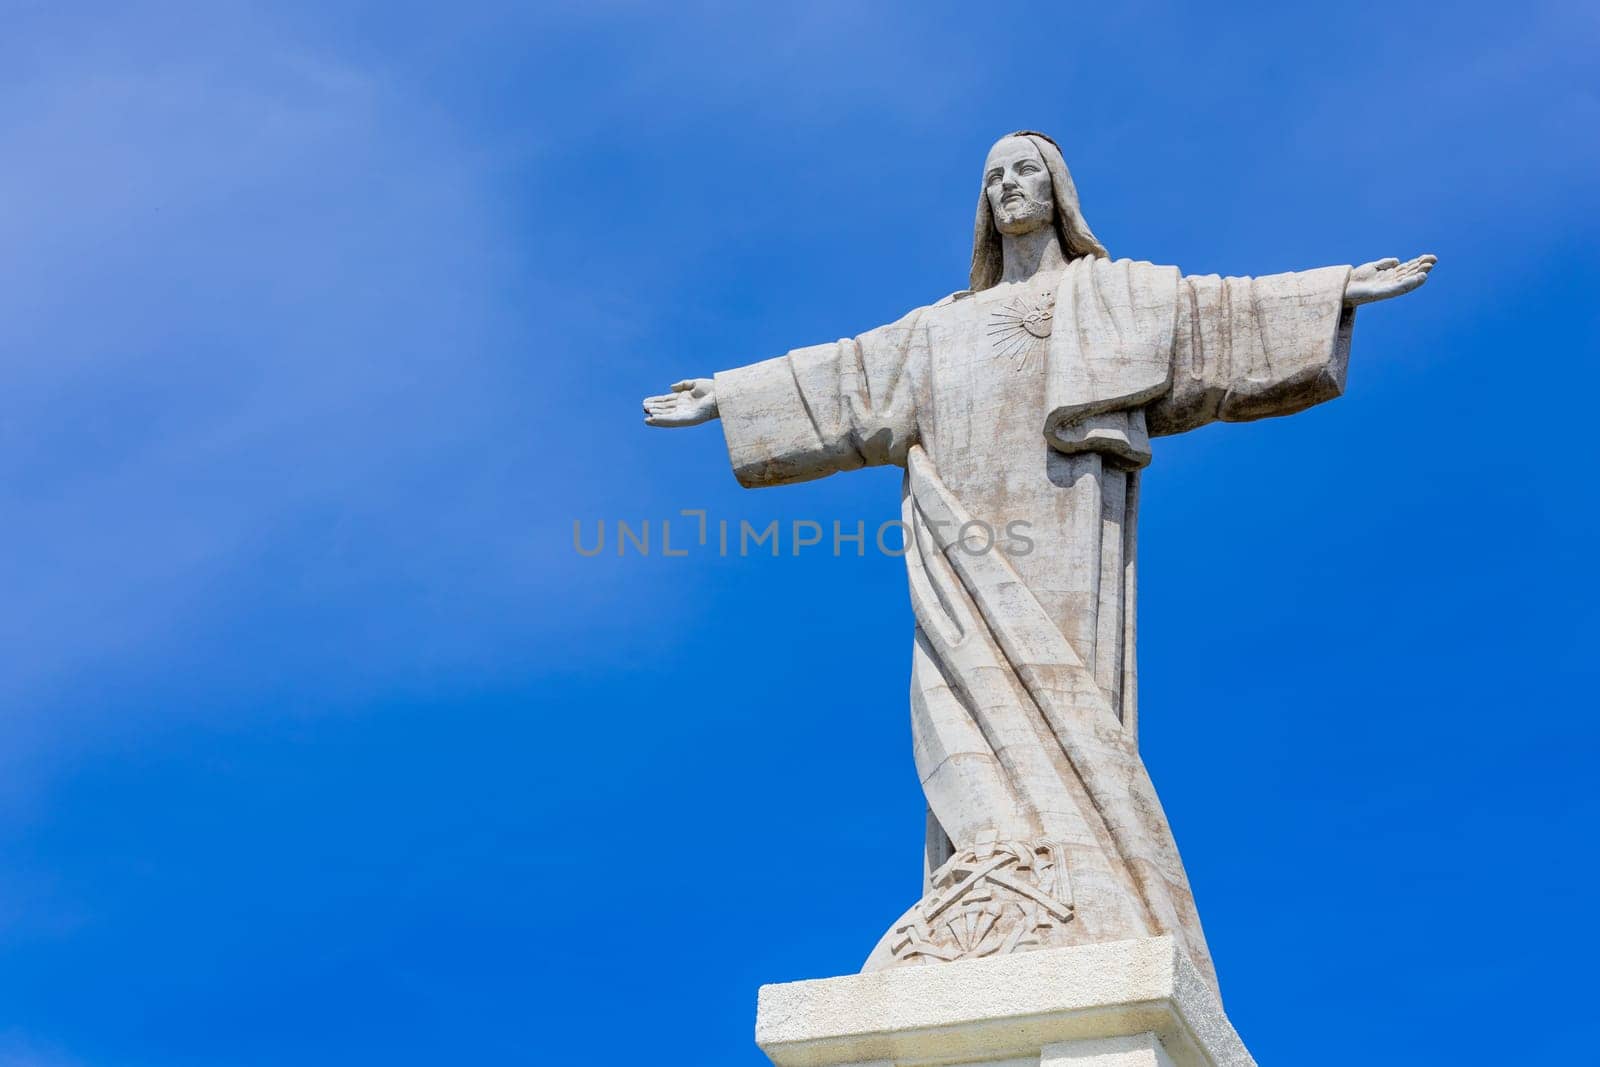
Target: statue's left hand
691,402
1384,278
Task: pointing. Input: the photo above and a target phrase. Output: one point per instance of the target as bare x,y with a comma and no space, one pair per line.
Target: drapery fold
992,645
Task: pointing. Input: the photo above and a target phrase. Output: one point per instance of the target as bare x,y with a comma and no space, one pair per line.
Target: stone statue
1033,396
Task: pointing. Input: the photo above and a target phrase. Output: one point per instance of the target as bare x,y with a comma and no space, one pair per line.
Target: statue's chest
987,366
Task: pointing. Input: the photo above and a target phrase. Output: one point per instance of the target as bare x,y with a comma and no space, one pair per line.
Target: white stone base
1120,1004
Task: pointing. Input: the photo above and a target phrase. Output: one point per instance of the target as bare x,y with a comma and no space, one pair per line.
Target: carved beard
1022,216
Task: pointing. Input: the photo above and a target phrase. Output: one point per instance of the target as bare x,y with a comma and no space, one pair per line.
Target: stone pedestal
1119,1004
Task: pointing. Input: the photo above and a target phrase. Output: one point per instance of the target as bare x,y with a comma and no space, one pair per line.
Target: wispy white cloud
248,292
18,1049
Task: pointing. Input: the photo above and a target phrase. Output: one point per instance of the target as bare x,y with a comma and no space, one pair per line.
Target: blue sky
320,324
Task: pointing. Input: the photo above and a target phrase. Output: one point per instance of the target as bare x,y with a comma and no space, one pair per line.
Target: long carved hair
1077,239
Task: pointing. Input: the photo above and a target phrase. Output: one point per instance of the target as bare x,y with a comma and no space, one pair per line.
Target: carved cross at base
992,899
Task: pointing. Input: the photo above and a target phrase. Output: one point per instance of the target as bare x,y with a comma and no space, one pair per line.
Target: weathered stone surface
1026,405
1116,1004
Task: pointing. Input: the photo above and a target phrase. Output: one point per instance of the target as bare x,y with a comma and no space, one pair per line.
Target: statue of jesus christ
1033,396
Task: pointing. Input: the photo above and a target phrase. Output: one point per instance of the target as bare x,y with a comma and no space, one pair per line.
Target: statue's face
1018,187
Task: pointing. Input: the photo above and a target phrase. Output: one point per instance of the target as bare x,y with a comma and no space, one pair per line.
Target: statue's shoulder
1104,263
920,315
1154,277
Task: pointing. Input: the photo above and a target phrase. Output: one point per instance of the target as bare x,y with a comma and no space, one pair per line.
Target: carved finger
1387,263
687,383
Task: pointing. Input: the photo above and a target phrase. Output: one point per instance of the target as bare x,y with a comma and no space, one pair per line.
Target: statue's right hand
691,402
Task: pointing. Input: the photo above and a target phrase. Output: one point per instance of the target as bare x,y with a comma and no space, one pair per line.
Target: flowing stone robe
1024,695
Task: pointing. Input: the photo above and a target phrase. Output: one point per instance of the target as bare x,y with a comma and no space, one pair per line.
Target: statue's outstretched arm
691,402
1385,278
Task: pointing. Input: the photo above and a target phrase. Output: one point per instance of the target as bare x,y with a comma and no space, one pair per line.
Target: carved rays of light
1017,331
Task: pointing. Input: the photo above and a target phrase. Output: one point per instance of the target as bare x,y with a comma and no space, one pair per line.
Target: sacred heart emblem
1018,330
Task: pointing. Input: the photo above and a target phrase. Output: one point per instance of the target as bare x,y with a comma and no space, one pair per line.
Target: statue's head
1026,185
1018,187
